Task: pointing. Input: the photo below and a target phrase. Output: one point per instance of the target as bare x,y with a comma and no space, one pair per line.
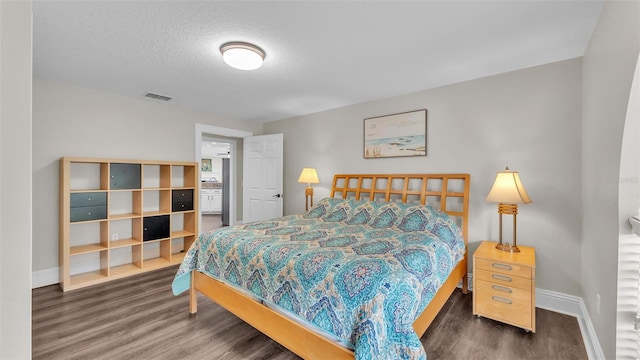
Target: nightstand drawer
504,268
509,292
503,280
501,308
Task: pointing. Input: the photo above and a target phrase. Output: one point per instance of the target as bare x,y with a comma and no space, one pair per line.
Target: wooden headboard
448,192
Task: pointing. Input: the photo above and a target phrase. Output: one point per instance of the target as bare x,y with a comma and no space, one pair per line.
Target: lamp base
308,195
507,247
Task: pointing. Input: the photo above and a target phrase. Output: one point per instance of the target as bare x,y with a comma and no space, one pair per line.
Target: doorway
214,181
235,137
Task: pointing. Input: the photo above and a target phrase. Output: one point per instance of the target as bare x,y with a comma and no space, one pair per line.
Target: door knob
277,195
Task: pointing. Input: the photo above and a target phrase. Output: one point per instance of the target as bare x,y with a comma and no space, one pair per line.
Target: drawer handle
502,300
502,289
502,266
501,277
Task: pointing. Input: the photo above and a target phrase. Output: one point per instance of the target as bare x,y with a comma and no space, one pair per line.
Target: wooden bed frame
387,187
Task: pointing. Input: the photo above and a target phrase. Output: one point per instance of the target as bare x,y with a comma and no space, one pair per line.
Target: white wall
608,67
75,121
15,179
527,119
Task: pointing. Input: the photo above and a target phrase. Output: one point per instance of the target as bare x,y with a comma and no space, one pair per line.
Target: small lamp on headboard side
309,176
508,192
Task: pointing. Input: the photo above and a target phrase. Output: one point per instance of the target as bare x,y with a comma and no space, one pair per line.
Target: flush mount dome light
241,55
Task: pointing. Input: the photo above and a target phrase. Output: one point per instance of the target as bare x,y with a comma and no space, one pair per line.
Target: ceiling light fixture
242,55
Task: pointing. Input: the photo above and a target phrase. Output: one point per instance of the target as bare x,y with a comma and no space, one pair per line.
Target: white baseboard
572,305
45,277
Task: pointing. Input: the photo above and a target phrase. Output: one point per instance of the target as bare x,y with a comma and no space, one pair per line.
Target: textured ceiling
320,54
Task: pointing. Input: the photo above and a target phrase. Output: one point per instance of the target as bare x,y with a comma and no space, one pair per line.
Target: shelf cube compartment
156,202
184,176
177,246
124,176
182,200
88,175
88,237
125,204
156,176
183,224
87,206
125,260
125,232
88,268
180,246
157,254
156,227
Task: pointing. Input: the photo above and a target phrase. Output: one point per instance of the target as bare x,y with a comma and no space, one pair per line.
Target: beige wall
75,121
15,179
527,119
608,68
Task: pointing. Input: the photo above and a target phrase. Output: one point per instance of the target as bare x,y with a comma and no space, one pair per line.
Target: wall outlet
114,237
598,303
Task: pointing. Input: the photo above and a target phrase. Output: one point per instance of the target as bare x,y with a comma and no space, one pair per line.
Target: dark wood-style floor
139,318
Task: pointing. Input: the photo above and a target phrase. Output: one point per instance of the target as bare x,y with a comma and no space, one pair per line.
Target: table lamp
508,192
309,176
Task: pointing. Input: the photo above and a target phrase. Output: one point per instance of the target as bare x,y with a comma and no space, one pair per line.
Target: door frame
204,129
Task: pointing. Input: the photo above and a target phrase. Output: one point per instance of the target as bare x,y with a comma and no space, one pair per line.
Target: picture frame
205,165
396,135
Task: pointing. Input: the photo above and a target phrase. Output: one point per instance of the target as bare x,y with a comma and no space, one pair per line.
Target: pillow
363,212
330,209
376,214
415,218
340,211
319,209
426,218
387,215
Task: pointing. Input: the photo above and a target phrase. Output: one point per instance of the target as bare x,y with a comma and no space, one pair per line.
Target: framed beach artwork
395,135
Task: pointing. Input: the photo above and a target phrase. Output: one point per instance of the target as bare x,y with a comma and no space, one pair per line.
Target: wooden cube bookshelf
103,207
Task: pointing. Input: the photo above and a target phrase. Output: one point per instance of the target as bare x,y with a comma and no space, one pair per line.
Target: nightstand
504,285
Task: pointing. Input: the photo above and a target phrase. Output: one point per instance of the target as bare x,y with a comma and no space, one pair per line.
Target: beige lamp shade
508,189
309,176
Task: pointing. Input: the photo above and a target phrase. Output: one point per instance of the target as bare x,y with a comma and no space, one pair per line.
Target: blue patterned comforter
362,271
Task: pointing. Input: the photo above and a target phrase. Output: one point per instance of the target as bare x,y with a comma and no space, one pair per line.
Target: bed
360,275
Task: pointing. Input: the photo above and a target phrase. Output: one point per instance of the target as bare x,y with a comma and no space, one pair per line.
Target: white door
262,178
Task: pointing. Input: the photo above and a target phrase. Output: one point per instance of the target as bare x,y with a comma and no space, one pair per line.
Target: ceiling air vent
157,97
